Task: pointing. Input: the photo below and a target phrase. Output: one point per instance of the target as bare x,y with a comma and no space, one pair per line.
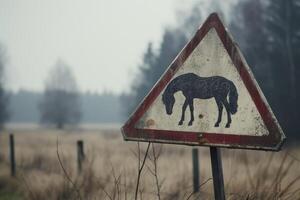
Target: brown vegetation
111,168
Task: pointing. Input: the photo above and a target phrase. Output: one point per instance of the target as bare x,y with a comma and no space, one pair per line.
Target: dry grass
111,167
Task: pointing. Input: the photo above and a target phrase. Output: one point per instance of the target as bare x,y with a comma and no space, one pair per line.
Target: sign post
208,96
217,172
196,176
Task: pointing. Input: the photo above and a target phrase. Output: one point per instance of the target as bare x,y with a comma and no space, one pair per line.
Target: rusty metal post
12,155
217,172
80,155
196,179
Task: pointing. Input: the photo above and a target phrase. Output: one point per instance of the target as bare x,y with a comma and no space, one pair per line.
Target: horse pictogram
193,86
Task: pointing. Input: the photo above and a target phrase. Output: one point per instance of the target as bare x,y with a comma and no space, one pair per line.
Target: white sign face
208,88
207,97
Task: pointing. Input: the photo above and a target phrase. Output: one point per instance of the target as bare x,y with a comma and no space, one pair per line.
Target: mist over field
96,108
72,72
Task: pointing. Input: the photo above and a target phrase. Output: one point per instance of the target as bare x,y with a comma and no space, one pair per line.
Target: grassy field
111,167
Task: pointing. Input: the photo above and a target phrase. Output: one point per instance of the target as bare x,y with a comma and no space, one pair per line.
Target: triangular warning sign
208,96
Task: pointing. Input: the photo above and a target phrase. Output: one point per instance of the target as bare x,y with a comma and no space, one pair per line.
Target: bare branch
293,156
27,186
199,187
140,169
155,174
106,193
65,172
117,180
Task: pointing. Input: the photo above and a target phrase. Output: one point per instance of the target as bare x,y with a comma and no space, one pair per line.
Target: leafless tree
60,102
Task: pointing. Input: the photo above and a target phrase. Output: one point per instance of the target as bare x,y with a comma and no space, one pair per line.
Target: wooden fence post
196,179
80,155
12,155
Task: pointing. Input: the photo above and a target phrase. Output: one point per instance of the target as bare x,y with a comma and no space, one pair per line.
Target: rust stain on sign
201,139
150,123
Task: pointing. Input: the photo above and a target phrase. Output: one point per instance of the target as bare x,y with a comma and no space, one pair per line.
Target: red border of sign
272,141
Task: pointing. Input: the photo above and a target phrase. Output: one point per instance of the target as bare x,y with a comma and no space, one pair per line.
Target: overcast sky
101,40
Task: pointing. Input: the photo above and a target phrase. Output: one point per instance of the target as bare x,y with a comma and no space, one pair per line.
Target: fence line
80,155
12,155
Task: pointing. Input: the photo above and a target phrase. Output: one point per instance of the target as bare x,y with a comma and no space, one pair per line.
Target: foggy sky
101,40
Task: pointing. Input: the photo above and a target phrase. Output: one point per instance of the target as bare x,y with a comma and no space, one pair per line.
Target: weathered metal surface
208,96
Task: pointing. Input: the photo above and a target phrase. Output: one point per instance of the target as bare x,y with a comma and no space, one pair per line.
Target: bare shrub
40,162
111,167
269,182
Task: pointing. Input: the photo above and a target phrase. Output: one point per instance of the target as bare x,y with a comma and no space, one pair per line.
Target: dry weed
112,166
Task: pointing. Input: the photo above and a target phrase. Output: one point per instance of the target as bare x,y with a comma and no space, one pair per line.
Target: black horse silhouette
193,86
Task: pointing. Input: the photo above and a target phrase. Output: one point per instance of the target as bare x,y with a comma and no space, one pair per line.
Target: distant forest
96,108
268,33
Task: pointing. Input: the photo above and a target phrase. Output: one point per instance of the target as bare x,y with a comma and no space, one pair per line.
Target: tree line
268,35
60,104
267,32
4,99
95,107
